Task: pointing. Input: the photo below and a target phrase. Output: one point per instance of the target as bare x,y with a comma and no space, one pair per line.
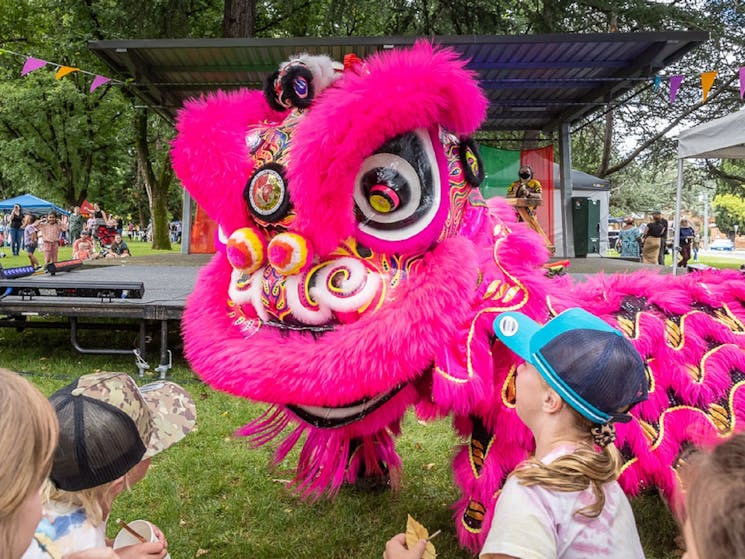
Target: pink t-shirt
538,523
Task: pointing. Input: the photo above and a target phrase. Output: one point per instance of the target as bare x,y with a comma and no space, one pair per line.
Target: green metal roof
534,82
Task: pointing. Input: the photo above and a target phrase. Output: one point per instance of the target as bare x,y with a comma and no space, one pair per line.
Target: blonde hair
716,500
583,468
28,437
92,500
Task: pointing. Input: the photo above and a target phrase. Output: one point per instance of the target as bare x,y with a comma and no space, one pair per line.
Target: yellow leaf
428,466
201,552
416,532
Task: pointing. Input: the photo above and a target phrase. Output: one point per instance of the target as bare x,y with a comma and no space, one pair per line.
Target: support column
565,178
676,231
186,213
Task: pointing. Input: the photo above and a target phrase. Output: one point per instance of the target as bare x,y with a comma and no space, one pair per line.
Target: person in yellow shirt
525,187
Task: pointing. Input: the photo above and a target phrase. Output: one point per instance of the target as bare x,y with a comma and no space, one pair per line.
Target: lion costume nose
245,250
289,253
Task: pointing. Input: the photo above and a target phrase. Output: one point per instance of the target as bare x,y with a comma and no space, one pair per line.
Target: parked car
722,244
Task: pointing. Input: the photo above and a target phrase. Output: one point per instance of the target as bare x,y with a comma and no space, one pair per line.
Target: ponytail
583,468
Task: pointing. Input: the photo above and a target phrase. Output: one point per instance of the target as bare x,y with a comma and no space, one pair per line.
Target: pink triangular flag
675,82
98,81
32,64
742,82
707,80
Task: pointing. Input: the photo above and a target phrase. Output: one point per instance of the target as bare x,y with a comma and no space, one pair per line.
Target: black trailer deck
131,296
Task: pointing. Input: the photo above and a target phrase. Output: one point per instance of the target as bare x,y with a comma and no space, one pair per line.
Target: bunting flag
675,82
32,64
98,81
742,82
707,80
63,71
657,82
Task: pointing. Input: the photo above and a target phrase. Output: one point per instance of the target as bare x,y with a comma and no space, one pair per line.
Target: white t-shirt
69,529
538,523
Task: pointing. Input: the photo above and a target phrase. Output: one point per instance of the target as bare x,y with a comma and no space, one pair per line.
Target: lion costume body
359,271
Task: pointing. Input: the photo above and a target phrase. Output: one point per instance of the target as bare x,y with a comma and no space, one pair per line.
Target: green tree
57,139
730,212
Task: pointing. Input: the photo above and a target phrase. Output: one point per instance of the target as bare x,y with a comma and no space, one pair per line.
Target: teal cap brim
516,330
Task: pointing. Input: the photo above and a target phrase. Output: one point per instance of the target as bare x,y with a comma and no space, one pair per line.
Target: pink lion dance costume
359,272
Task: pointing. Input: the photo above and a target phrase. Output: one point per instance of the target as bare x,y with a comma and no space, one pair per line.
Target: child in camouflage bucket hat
109,430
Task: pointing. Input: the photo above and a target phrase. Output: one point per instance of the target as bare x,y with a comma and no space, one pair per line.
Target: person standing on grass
50,229
654,236
16,229
685,239
75,224
628,239
31,239
663,242
109,430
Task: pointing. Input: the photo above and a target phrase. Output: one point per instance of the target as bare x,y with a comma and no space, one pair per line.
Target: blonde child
31,239
579,377
109,431
28,435
715,502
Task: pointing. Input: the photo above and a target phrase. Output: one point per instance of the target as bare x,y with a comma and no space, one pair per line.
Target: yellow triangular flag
707,80
63,71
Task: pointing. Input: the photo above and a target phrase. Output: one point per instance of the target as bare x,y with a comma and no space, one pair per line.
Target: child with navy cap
579,377
109,429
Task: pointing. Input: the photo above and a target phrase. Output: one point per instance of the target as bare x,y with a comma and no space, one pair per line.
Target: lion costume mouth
339,416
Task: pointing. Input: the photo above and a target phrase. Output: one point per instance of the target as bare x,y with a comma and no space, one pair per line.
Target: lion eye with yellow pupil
383,199
397,188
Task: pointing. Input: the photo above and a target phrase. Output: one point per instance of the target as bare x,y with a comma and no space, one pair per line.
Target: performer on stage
525,187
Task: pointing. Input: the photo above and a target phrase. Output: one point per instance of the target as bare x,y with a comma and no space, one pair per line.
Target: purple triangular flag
742,82
675,82
98,81
32,64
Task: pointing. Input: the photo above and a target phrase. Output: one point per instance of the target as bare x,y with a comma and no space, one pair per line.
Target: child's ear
118,485
552,402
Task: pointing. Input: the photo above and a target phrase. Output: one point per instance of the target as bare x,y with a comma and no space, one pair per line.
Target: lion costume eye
397,189
266,194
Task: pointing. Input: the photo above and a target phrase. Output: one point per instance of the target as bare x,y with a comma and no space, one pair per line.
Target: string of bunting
32,64
707,81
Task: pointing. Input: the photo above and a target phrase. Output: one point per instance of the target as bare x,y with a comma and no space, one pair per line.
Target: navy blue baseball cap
590,364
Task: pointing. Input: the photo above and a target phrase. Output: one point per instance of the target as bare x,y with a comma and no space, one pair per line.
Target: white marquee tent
723,138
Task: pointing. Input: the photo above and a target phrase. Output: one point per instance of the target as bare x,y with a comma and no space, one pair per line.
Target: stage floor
166,288
168,280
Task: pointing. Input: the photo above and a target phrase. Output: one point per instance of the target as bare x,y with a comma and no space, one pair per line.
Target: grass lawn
136,248
714,260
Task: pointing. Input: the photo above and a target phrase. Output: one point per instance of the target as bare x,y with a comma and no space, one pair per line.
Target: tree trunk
239,18
607,144
156,187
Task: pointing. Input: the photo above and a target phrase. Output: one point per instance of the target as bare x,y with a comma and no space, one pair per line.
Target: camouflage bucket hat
108,425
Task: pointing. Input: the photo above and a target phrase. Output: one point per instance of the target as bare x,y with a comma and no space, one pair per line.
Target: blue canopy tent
31,204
